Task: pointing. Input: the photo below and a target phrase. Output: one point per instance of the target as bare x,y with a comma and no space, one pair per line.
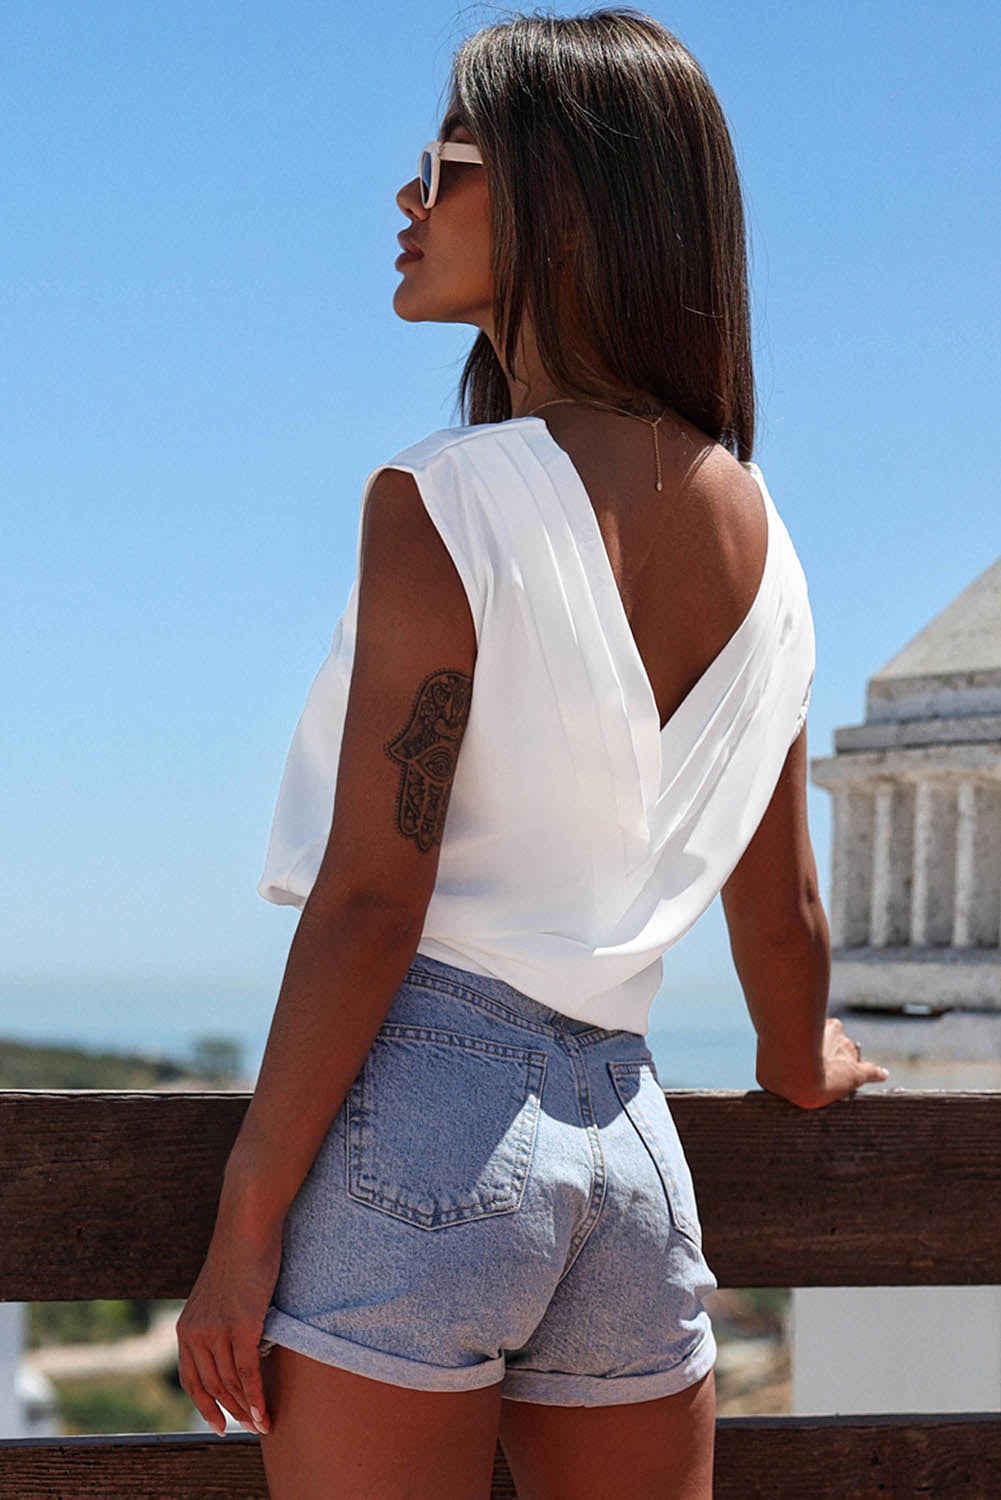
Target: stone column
892,862
852,865
933,888
977,905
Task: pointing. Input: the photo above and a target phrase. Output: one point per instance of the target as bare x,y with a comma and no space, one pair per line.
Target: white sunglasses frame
443,151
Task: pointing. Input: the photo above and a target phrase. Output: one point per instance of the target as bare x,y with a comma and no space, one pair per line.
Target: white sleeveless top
581,840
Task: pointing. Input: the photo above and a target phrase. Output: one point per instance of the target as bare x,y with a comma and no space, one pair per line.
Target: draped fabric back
582,839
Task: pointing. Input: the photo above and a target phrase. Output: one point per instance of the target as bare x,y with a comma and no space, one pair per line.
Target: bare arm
781,949
359,929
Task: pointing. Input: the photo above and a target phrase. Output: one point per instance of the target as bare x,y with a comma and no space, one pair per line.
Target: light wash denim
502,1198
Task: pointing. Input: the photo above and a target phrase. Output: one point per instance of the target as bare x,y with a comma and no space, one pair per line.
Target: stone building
915,915
915,906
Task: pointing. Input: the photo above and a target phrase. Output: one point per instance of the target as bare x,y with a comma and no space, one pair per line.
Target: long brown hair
605,142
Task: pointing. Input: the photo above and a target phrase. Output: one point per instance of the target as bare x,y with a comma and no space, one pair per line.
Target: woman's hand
842,1071
220,1326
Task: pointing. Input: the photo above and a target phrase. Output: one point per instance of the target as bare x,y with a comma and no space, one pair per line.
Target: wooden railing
113,1195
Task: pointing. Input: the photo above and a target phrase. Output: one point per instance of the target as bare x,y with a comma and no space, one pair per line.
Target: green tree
218,1058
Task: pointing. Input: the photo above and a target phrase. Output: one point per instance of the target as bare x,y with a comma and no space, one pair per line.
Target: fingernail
248,1427
257,1415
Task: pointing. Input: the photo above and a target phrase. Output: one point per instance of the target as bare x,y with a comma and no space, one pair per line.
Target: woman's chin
407,301
409,305
416,304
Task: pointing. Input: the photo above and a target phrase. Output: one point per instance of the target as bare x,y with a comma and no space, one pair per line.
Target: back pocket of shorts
643,1100
440,1127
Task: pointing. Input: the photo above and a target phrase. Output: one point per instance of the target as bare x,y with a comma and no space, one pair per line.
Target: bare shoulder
402,549
723,487
723,531
396,525
394,490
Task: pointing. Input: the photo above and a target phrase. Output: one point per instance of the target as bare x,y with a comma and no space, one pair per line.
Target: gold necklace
600,406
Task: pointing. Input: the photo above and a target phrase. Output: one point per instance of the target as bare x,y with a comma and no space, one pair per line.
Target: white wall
895,1349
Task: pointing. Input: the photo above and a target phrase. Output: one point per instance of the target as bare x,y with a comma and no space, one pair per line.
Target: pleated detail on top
582,840
585,667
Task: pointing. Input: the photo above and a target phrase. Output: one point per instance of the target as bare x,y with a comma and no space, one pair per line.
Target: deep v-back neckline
606,590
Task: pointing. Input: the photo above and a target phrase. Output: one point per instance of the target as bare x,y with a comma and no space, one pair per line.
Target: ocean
700,1034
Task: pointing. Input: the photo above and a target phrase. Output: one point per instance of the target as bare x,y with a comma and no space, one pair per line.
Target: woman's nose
408,200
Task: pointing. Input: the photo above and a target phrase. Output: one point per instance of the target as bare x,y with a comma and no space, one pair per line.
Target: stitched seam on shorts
366,1348
683,1360
599,1170
534,1063
432,982
672,1187
481,1001
406,1030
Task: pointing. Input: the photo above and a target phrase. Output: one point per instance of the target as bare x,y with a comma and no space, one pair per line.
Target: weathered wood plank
114,1194
950,1457
955,1456
899,1188
109,1194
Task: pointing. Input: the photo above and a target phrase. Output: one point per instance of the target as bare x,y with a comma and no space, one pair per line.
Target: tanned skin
428,748
686,563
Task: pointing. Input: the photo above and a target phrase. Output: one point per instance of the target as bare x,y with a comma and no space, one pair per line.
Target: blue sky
201,364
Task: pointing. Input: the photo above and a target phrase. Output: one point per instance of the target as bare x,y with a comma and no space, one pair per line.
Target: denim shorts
502,1198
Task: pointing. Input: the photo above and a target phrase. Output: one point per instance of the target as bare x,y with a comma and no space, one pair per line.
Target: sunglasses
429,170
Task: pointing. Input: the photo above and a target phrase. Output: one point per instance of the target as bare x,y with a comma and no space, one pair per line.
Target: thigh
336,1435
649,1450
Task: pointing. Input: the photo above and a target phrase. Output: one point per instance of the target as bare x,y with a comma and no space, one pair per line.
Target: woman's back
687,560
601,797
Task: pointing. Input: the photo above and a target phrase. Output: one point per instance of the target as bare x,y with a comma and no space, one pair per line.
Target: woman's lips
410,250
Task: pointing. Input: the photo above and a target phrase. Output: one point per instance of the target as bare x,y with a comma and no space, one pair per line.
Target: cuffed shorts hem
331,1349
556,1388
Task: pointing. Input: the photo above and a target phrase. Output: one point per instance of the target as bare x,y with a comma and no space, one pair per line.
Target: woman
563,709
